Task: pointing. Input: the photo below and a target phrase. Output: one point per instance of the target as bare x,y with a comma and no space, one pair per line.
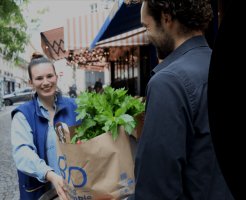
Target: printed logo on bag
63,172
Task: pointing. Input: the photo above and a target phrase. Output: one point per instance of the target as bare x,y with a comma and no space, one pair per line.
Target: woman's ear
31,84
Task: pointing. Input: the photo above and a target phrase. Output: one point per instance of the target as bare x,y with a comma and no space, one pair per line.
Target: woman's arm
24,150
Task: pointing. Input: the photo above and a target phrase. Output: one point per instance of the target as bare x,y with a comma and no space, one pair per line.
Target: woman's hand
58,184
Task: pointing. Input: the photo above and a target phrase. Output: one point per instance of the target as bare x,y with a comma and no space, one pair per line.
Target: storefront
9,85
17,83
25,83
2,85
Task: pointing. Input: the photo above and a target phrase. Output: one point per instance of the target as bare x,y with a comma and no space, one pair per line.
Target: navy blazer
175,158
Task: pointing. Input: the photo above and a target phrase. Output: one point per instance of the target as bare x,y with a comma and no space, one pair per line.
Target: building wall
15,77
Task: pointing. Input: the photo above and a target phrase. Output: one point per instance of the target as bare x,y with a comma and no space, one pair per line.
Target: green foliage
13,28
106,112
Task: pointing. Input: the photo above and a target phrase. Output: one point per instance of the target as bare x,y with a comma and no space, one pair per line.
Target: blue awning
122,18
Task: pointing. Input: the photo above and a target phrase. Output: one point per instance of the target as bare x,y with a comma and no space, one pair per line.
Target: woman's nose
45,81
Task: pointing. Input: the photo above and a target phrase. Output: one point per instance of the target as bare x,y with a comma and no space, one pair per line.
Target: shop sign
9,79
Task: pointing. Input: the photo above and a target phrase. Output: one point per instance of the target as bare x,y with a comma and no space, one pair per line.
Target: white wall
107,76
66,80
80,80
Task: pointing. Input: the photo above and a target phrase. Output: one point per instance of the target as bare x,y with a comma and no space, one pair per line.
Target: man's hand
58,184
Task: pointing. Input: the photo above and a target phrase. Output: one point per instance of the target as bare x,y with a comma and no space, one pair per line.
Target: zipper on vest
33,189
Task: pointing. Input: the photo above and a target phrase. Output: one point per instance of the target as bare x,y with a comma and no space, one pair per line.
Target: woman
33,136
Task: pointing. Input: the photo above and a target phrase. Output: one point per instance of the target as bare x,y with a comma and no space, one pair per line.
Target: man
74,87
98,85
72,93
175,158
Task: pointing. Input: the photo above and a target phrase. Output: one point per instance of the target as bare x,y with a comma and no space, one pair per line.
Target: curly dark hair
193,15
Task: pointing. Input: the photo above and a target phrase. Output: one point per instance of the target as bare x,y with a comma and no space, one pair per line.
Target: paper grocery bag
100,168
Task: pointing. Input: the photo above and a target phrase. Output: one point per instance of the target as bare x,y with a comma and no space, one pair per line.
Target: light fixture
131,55
108,53
92,72
47,47
53,60
145,57
96,55
70,55
104,53
126,59
100,71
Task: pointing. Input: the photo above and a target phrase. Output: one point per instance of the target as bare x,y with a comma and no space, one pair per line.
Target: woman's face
44,80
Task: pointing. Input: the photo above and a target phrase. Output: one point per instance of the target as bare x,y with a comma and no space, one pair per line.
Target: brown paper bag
100,168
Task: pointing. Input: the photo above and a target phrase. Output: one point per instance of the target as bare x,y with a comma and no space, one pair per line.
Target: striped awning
80,32
135,37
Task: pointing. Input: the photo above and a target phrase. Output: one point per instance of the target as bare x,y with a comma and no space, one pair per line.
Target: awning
122,18
79,32
135,37
52,43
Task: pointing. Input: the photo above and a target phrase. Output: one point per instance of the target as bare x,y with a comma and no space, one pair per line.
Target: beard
164,43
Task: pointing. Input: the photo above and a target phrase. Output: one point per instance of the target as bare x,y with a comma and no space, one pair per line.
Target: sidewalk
9,187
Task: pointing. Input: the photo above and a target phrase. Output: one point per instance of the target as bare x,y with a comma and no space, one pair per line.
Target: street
9,188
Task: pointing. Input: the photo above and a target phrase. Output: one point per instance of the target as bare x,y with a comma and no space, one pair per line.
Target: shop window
11,75
4,73
122,72
126,71
115,71
119,76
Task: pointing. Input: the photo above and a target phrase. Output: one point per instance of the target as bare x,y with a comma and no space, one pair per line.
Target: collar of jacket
61,104
192,43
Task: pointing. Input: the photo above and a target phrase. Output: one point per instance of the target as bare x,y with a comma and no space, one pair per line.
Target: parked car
1,102
23,94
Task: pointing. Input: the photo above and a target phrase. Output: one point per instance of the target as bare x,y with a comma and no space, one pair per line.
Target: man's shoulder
191,68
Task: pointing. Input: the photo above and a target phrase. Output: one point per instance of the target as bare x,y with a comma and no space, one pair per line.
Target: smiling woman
33,134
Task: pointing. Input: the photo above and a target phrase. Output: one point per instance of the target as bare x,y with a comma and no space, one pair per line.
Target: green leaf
113,129
74,139
126,118
136,122
107,113
101,119
81,115
83,140
128,128
86,125
120,111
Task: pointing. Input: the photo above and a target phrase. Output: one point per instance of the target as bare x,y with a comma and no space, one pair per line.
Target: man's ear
166,19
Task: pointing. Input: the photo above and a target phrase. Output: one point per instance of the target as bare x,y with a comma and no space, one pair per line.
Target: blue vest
30,188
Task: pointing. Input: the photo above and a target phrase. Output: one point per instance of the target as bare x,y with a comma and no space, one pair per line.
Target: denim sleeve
161,153
24,151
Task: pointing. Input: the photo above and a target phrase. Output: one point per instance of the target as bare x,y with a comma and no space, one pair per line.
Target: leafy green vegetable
106,112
